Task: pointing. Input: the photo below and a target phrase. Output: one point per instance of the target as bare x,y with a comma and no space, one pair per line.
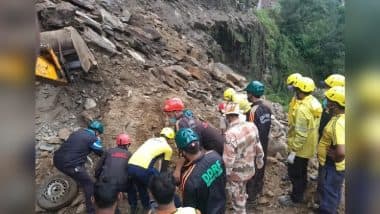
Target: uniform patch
212,173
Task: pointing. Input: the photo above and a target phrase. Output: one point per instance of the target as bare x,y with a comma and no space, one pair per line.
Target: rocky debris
55,140
84,18
59,16
179,70
136,56
263,200
269,193
85,4
125,15
89,104
272,160
64,133
46,147
101,41
111,21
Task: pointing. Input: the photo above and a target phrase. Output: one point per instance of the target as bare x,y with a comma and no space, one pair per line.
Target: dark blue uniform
262,119
71,157
203,184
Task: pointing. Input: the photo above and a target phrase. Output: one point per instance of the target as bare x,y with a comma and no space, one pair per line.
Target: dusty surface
148,51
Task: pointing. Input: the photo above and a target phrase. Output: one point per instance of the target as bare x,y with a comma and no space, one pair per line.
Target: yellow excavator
61,53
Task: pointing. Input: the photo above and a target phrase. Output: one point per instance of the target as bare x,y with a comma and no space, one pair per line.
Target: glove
260,161
291,157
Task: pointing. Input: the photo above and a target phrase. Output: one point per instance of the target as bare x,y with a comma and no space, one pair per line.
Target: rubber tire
64,201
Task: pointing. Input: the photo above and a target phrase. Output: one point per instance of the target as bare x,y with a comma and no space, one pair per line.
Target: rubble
55,140
100,41
111,20
89,104
61,15
136,56
86,4
46,147
64,133
179,70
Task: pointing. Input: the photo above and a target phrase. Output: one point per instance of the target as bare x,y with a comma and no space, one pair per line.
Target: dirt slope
147,51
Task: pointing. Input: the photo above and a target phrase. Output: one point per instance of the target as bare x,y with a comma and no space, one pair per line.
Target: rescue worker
210,137
71,157
114,165
162,189
203,179
230,95
294,101
331,153
242,150
141,164
260,114
302,139
329,82
106,196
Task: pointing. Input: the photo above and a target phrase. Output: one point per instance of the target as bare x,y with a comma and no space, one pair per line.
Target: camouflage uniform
242,147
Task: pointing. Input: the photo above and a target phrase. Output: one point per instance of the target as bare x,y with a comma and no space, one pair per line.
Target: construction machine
62,53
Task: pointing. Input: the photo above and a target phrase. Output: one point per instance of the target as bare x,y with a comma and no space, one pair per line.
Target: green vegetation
304,36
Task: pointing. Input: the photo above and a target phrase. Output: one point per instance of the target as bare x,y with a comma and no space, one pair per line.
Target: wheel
56,192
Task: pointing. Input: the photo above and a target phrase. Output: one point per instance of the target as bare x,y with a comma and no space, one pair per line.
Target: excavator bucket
63,51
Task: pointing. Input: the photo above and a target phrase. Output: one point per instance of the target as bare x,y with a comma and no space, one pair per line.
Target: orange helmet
173,104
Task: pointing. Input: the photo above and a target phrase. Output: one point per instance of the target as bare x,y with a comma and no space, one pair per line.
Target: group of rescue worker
216,166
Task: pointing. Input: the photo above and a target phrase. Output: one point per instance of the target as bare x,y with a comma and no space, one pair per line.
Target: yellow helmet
245,105
305,84
292,78
335,80
228,94
168,133
232,108
336,94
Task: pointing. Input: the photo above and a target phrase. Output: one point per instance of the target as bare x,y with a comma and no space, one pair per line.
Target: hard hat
184,137
168,133
173,104
245,106
232,108
123,139
222,107
336,94
188,113
292,78
256,88
228,94
305,84
335,80
97,126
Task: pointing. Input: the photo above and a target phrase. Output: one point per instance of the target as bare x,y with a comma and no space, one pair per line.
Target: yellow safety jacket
303,130
333,134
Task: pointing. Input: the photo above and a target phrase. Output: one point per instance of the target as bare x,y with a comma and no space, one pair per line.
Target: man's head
123,140
255,90
162,188
304,86
187,142
336,100
106,195
334,80
173,108
232,112
292,78
168,133
228,94
96,126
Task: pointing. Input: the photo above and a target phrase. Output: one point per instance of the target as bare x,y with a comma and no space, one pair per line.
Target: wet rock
125,16
136,56
272,160
263,200
61,15
269,193
111,20
86,4
101,41
46,147
44,5
55,140
84,18
195,72
89,103
179,70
